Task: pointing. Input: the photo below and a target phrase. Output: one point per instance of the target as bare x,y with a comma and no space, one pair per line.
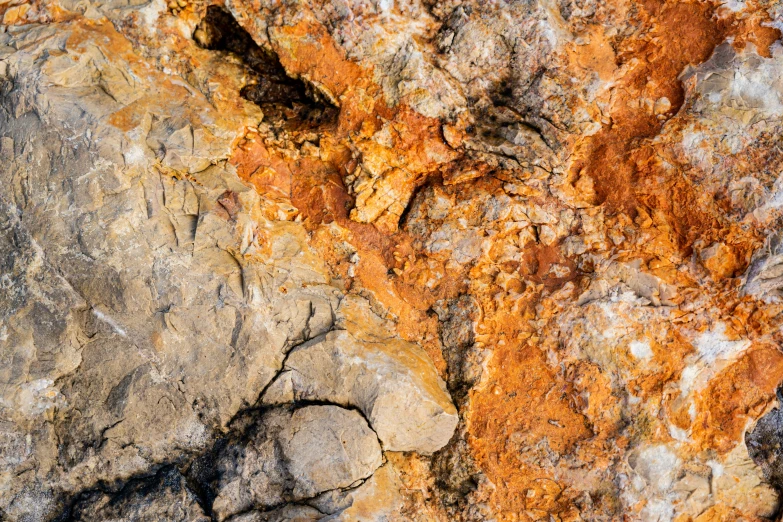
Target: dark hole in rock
765,444
284,99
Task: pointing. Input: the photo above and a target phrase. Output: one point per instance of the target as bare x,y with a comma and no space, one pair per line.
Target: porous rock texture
358,260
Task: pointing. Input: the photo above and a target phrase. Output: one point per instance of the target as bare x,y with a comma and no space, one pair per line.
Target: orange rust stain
525,395
680,34
416,145
736,396
308,50
525,405
537,261
670,358
267,172
597,55
753,28
691,213
721,513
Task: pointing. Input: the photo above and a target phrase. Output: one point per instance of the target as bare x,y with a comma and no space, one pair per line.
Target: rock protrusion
392,382
291,455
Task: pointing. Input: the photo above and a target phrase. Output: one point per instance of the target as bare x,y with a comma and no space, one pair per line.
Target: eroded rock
391,381
295,455
568,212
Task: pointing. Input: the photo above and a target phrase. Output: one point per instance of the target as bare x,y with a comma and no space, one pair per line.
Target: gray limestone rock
140,308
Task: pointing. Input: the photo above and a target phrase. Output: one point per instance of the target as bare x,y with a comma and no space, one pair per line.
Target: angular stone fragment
328,447
392,382
294,455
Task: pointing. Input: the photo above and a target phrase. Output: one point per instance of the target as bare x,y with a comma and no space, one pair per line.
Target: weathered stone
568,211
291,456
391,381
164,496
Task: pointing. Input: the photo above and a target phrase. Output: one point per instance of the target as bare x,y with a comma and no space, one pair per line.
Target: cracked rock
371,260
295,455
389,380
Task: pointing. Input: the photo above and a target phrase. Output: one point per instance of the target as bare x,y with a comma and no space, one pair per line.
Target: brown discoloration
314,184
229,205
538,261
304,50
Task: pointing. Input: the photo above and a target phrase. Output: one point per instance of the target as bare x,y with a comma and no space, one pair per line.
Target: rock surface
291,456
390,381
396,261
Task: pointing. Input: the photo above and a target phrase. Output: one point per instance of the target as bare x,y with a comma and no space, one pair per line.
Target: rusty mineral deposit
399,261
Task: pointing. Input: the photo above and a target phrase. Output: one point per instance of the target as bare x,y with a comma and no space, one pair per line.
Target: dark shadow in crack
287,102
157,496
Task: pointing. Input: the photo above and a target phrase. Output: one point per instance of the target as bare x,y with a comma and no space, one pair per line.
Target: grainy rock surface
362,260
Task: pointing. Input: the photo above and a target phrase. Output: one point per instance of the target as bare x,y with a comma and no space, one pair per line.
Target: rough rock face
390,382
363,260
295,456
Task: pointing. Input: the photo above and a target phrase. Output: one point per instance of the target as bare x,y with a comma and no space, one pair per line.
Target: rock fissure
418,261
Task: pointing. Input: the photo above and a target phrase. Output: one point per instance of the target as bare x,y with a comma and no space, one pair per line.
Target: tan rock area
391,260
